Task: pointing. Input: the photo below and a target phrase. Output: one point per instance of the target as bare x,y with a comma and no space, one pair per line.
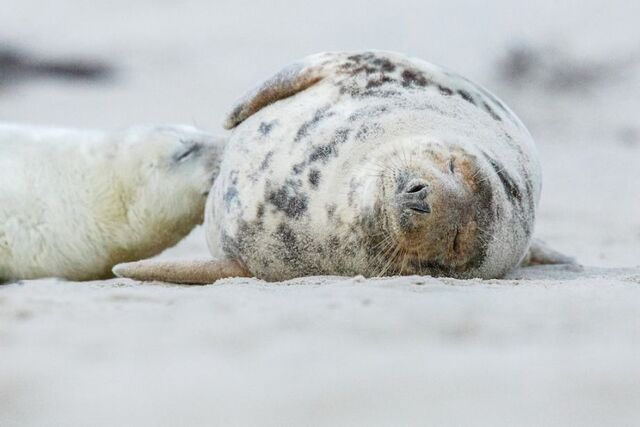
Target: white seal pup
368,163
73,203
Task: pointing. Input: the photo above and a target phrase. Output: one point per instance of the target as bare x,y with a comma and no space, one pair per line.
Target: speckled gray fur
301,188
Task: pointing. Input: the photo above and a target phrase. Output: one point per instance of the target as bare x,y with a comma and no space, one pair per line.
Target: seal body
373,163
73,203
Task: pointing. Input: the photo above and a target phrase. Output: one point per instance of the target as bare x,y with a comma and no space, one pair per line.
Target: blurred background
570,69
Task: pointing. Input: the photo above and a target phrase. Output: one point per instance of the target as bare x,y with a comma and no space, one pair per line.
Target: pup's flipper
539,253
186,272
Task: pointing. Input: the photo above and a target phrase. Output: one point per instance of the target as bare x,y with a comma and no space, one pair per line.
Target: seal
370,163
73,203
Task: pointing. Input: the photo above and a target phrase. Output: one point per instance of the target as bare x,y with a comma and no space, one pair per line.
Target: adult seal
368,163
73,203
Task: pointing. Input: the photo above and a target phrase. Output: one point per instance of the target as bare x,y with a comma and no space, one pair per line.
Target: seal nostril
416,188
414,198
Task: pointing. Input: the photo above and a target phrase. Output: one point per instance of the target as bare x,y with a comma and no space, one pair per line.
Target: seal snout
414,197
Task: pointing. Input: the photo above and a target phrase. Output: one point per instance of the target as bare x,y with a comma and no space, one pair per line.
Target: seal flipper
184,272
539,254
287,82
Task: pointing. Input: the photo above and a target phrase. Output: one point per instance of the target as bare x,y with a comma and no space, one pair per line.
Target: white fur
75,202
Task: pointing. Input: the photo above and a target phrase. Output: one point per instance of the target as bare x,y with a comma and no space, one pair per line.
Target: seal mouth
421,210
414,198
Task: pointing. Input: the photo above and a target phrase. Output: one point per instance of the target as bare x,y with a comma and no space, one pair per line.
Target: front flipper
287,82
185,272
539,253
303,74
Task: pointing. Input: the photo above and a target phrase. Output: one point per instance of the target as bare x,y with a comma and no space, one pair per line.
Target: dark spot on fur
509,184
501,105
334,243
413,78
260,211
230,197
368,112
286,234
359,57
445,90
266,161
331,209
233,177
298,168
492,113
368,129
341,135
314,178
318,116
265,128
289,199
324,151
384,64
367,69
377,82
230,245
466,96
232,193
379,93
293,249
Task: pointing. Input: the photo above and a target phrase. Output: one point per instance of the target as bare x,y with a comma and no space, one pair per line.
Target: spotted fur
320,153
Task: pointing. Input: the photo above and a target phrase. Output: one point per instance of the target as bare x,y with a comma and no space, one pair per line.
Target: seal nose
414,198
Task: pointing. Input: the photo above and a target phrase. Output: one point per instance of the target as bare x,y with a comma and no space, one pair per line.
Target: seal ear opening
289,81
183,272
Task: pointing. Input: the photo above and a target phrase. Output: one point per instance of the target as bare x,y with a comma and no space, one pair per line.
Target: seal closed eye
369,163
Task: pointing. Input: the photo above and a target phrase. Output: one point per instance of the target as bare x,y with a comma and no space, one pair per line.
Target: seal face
73,203
373,163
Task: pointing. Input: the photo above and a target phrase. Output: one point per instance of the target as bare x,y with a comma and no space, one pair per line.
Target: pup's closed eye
188,150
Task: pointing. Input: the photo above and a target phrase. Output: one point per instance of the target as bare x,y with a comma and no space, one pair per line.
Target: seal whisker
405,259
383,250
390,262
382,257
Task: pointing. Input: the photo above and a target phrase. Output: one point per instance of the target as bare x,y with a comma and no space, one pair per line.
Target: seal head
434,211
